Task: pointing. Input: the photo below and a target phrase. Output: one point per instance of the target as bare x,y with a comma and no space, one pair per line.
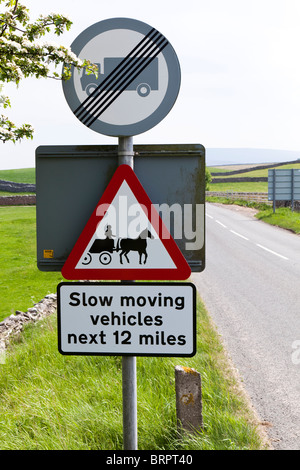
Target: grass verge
54,402
21,283
283,217
241,187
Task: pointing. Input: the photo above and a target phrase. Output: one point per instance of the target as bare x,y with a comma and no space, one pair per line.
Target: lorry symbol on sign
144,83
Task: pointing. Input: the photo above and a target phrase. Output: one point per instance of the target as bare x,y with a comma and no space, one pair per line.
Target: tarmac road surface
251,288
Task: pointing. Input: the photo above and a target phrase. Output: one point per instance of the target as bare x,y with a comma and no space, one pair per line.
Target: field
240,172
283,217
256,172
24,175
240,187
19,274
51,402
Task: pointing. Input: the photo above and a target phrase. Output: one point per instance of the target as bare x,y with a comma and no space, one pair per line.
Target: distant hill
240,156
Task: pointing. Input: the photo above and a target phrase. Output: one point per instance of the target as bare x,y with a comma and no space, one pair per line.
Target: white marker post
129,387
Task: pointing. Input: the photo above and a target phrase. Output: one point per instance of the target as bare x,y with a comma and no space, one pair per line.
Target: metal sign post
129,386
128,319
130,441
136,87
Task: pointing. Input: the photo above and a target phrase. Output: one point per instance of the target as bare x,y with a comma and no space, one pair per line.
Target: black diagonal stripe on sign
100,111
114,83
121,77
152,33
138,65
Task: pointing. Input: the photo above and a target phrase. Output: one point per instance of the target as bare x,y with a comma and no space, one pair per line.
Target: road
251,288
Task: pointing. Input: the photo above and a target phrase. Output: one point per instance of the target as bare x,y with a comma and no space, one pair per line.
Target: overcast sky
240,71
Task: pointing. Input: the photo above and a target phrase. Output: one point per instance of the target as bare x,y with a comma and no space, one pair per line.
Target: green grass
21,283
54,402
246,187
23,175
283,217
49,401
260,187
9,193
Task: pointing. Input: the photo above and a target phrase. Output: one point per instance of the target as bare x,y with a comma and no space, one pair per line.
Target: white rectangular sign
136,319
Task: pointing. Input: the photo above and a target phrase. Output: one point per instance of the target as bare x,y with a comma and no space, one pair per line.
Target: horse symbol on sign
138,244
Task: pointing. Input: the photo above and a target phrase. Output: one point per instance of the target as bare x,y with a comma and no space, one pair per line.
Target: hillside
257,171
22,175
240,156
245,178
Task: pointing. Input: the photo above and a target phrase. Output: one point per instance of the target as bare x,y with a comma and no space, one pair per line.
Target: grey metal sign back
70,181
284,185
138,80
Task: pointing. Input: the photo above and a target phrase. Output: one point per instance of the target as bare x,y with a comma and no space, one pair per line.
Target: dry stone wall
12,187
13,325
25,200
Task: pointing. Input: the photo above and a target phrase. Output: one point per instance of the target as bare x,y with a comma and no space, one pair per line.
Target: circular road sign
138,78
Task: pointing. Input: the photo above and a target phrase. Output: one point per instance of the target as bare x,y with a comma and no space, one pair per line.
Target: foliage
208,179
23,54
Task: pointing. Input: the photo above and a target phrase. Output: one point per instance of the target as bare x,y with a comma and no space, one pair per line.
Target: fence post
188,399
293,176
274,191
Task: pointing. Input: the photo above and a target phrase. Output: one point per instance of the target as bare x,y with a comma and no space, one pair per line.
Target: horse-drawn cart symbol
105,247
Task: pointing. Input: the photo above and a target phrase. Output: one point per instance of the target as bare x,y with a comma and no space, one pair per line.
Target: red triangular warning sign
125,239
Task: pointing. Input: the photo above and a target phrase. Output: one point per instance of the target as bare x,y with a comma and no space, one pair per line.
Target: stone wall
26,200
12,187
261,179
252,197
13,325
288,204
255,167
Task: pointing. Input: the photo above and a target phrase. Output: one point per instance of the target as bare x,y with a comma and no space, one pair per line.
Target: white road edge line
239,235
273,252
220,223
